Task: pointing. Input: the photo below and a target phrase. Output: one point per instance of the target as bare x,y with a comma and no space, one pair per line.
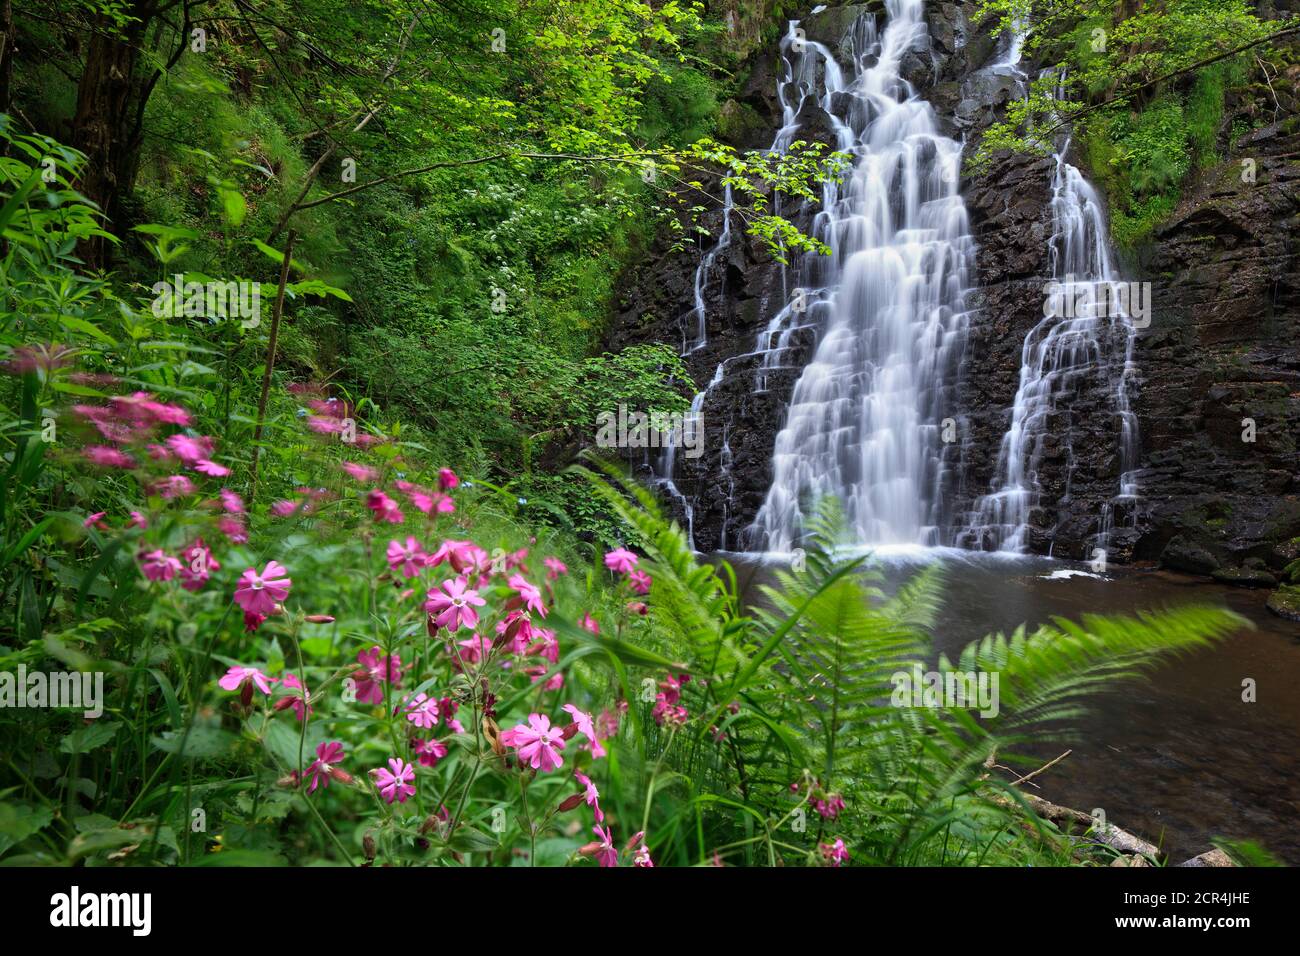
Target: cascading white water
865,418
702,277
1071,348
805,61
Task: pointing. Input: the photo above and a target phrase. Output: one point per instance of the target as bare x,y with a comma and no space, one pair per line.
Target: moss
1285,602
737,122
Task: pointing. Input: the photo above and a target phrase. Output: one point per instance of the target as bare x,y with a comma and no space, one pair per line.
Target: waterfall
805,61
702,277
865,420
1085,338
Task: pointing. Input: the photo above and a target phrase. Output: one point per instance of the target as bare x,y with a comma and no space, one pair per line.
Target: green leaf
18,821
85,739
203,741
466,839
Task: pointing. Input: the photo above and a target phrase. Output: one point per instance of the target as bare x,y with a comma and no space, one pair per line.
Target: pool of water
1177,758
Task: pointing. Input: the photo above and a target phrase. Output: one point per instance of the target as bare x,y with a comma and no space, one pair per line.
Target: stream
1177,758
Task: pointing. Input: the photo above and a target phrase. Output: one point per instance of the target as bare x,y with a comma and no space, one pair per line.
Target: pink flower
453,606
425,500
327,753
672,687
517,629
455,552
174,486
284,508
397,783
447,479
829,805
554,568
377,670
259,593
620,560
586,727
642,857
141,406
324,426
422,710
107,457
476,647
384,507
409,557
96,521
233,529
539,744
834,853
429,752
666,712
588,623
362,473
591,795
528,593
199,566
187,449
138,521
301,702
232,502
206,467
640,582
607,724
547,645
159,566
603,848
238,675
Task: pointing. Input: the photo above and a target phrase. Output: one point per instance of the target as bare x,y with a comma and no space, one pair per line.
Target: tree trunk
8,49
103,126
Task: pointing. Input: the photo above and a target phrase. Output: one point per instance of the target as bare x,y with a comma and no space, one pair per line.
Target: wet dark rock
1183,555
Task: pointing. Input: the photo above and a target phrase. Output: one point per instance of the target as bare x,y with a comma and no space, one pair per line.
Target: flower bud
570,802
319,619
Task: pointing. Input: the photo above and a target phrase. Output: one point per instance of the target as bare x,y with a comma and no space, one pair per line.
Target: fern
800,691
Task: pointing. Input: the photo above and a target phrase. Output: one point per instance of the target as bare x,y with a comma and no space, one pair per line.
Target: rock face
1220,396
1217,390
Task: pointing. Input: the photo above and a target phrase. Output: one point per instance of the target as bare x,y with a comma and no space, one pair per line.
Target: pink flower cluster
668,708
602,848
376,670
623,561
834,854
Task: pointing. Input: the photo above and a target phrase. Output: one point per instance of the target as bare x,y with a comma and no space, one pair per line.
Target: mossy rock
1245,577
739,123
1285,602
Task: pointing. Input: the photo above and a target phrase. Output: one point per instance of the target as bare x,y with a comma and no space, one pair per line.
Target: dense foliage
1142,87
